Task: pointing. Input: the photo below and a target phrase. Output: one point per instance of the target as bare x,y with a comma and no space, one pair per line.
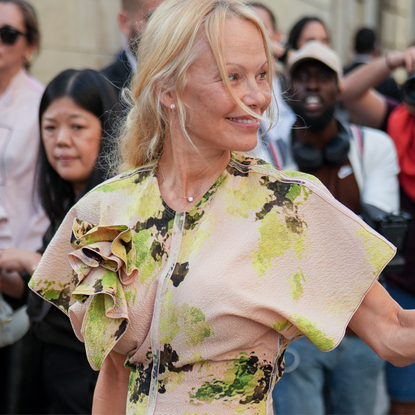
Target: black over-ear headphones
309,157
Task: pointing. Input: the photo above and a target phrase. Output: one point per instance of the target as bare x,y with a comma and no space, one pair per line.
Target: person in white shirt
22,221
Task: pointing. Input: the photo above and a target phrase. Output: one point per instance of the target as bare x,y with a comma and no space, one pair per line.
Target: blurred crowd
352,127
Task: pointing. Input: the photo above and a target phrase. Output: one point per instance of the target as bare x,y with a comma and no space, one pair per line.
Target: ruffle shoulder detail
104,261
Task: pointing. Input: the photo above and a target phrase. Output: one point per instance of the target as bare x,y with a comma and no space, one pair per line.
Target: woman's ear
167,98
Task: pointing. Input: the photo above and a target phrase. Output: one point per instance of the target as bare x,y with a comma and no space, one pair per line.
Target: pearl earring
172,106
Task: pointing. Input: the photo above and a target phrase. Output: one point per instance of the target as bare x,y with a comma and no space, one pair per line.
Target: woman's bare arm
110,396
386,327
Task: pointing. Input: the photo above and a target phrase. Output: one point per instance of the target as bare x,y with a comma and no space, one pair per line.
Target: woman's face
213,119
12,56
313,31
72,139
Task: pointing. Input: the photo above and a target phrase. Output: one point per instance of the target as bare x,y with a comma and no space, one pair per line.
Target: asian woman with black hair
76,116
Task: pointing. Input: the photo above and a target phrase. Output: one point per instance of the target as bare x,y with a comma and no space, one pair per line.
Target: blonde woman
191,271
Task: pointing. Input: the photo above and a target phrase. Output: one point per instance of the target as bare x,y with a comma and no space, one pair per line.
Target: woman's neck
185,175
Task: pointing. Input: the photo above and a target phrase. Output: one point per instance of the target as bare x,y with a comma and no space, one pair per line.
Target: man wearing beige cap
359,166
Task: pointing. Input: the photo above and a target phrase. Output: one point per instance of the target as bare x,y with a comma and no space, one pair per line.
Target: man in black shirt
132,20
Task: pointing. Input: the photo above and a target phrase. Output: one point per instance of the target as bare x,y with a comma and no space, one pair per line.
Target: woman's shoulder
130,179
264,179
246,164
28,84
34,84
24,93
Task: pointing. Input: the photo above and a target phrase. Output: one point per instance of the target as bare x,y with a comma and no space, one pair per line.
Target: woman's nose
256,96
63,137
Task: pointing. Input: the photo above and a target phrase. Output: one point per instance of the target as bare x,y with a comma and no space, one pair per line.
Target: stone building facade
84,33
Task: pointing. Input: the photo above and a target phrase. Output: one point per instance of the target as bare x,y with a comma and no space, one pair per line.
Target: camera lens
408,89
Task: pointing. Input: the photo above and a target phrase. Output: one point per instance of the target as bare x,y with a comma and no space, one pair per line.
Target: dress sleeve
89,287
318,261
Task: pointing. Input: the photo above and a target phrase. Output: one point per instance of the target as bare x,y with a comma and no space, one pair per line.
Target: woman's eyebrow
240,66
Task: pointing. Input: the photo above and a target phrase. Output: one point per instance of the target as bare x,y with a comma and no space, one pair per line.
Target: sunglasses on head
9,35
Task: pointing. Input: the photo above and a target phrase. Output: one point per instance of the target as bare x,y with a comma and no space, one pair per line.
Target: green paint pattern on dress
52,294
142,241
246,380
294,192
296,282
152,204
126,181
247,201
130,297
190,320
56,292
197,234
298,174
196,328
281,325
377,252
169,325
101,332
272,230
310,329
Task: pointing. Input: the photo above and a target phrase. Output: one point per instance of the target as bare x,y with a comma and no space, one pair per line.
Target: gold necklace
189,198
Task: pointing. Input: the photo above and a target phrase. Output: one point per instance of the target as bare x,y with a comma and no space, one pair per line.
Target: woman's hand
386,327
19,260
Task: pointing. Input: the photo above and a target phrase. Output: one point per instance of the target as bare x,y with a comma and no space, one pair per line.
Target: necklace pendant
190,199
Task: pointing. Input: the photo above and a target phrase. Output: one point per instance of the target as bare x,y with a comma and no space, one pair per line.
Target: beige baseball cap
315,50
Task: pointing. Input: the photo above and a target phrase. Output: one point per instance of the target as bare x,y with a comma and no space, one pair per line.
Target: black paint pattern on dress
179,273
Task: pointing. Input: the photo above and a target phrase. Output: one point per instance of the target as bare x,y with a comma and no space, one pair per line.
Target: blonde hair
168,48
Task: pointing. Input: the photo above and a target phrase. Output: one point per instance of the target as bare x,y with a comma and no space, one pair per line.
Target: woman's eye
49,128
77,127
233,77
263,75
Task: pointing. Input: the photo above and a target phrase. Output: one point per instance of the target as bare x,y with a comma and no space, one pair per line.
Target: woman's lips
245,122
65,159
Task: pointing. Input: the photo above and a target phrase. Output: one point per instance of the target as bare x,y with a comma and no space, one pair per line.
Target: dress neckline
207,195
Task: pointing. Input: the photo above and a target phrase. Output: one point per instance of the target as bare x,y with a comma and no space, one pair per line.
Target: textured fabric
204,302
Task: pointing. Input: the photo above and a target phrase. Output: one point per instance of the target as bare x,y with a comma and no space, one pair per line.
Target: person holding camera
358,166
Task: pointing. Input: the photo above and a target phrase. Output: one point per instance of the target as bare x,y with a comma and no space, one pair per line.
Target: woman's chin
246,146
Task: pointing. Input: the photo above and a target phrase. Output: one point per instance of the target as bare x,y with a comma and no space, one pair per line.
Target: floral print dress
203,303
